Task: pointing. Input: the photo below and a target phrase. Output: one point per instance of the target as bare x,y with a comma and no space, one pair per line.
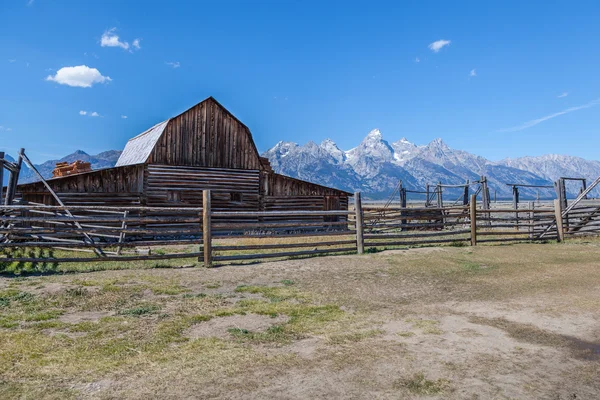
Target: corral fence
36,233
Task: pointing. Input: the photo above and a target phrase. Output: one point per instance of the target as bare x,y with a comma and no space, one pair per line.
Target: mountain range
376,166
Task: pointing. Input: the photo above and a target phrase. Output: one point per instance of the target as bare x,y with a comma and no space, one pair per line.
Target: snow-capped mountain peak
375,133
331,147
404,150
376,166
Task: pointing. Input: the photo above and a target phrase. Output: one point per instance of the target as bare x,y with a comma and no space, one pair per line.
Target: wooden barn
205,147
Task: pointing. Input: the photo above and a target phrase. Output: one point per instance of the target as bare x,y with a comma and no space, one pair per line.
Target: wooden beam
559,220
11,189
1,174
473,216
360,242
206,228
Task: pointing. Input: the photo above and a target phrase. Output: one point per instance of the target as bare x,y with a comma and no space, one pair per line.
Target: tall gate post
1,174
206,228
559,220
531,206
360,243
473,217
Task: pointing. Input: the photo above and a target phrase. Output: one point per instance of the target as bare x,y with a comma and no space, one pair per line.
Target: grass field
503,322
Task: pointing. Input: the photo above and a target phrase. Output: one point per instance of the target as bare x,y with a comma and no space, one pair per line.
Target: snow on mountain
554,166
404,150
330,147
311,162
375,166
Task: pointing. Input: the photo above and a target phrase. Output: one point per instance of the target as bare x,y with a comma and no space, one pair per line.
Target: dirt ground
486,322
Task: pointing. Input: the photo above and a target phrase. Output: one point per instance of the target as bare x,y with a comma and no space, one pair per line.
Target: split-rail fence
34,233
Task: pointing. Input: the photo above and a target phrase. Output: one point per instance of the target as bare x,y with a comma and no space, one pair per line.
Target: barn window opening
236,197
173,196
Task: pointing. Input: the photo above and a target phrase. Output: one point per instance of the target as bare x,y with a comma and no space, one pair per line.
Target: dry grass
453,322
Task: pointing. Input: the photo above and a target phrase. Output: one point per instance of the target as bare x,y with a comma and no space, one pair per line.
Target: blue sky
516,78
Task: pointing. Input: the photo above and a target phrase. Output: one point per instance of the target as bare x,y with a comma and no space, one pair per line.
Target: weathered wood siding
281,185
120,186
176,186
206,135
282,193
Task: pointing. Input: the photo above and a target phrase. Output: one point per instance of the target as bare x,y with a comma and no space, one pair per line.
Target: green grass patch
419,385
140,310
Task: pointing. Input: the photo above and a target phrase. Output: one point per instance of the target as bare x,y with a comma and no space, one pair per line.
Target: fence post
1,174
531,206
360,243
559,220
473,216
206,228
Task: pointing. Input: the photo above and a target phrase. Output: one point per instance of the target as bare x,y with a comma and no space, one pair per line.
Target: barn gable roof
138,148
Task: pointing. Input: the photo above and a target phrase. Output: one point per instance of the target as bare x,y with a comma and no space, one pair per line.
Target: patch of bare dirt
219,326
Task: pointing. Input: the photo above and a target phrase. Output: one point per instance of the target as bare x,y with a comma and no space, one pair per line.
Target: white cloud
563,94
534,122
124,116
30,3
111,39
417,60
438,45
4,128
89,113
173,64
473,72
79,76
11,60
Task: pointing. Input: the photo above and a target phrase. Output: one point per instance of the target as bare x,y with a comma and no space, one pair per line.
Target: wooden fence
157,233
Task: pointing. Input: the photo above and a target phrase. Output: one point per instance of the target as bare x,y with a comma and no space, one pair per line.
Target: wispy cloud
438,45
111,39
534,122
473,72
563,94
30,3
89,114
78,76
124,116
11,60
417,60
174,64
5,128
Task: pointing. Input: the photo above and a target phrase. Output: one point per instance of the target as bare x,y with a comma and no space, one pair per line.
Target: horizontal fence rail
37,233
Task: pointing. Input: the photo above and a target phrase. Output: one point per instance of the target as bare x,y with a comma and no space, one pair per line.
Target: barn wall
177,186
206,135
285,193
120,186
